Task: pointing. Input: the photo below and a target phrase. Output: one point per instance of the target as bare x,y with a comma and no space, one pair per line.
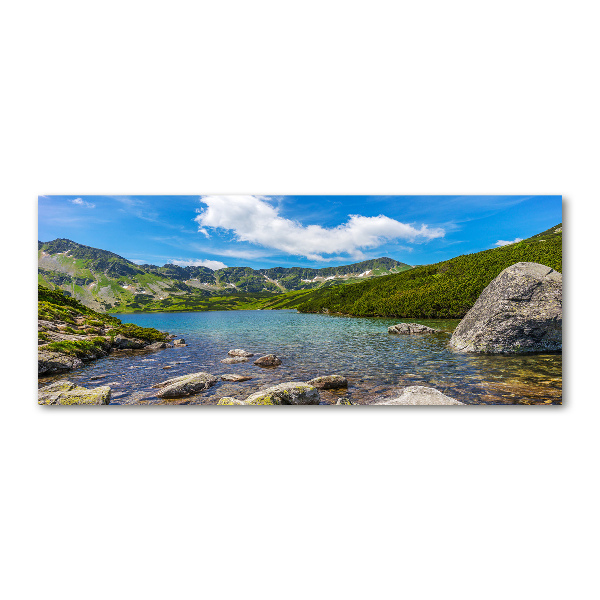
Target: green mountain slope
104,281
443,290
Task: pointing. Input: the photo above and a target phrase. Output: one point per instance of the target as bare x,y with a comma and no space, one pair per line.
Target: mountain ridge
103,280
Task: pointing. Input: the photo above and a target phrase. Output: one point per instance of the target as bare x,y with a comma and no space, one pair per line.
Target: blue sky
314,231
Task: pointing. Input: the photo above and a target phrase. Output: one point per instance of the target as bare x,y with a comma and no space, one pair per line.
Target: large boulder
238,352
67,393
411,328
185,385
56,362
417,395
293,392
329,382
270,360
518,312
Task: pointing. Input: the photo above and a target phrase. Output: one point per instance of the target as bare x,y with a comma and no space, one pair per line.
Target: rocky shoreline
519,312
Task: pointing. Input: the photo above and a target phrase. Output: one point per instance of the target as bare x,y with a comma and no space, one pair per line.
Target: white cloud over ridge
507,243
211,264
254,220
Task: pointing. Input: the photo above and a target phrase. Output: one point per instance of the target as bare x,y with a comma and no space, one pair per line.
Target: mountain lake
377,364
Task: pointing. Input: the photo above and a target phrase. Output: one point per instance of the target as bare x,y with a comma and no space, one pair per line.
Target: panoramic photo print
299,300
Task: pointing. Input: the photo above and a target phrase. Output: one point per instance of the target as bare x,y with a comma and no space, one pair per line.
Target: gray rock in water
411,328
66,393
227,401
238,352
270,360
234,359
234,377
293,392
125,343
417,395
329,382
185,385
180,342
518,312
157,346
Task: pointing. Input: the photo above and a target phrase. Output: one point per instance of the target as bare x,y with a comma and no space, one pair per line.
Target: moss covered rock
230,402
293,392
67,393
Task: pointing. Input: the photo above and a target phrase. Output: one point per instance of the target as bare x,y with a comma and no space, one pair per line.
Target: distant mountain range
103,280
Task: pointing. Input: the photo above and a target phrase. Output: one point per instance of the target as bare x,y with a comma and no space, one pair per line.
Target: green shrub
445,290
79,348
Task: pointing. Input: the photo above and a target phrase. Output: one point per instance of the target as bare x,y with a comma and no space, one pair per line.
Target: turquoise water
376,363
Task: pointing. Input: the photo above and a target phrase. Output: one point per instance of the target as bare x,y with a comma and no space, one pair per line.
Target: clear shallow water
376,363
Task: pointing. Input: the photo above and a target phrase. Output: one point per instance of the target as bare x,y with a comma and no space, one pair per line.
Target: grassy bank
445,290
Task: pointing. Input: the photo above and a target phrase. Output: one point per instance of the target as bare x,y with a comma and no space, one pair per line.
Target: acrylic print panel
314,300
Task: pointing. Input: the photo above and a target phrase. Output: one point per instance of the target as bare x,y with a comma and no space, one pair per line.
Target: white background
304,97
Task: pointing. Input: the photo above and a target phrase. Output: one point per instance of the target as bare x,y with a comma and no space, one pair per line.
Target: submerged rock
234,377
518,312
230,402
234,359
411,328
417,395
293,392
66,393
329,382
238,352
270,360
185,385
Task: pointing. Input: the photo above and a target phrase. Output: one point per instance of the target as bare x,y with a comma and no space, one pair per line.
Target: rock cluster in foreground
520,311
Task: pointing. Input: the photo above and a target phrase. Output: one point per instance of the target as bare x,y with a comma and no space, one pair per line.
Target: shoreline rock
185,385
290,393
411,329
519,312
65,392
420,395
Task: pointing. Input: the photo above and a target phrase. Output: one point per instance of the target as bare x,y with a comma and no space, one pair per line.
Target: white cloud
81,202
211,264
254,220
505,243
